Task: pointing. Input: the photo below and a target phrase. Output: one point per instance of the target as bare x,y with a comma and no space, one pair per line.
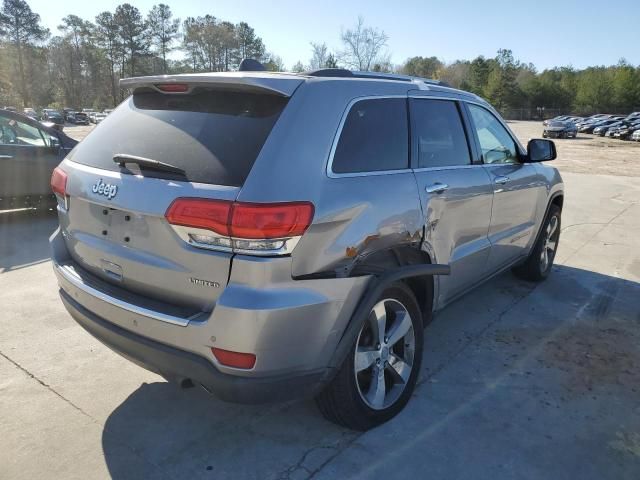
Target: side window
439,134
13,132
374,137
496,143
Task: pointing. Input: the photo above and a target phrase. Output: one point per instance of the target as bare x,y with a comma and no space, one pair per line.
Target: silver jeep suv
270,236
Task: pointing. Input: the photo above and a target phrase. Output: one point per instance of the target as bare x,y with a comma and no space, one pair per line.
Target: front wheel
538,265
376,380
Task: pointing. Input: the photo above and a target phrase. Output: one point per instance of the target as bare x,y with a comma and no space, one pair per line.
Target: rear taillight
261,228
59,182
200,213
270,220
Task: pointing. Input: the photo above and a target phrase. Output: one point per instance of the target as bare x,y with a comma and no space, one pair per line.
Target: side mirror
54,143
539,150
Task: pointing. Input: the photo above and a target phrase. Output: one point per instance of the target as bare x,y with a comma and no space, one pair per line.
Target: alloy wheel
384,355
550,244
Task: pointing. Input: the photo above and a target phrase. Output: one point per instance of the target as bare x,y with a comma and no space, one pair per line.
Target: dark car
29,151
590,127
601,130
560,129
67,113
624,132
53,116
79,118
559,118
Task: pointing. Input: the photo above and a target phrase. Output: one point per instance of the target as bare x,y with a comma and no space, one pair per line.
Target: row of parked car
602,124
69,115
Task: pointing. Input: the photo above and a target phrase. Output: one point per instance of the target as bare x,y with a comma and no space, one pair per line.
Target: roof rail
344,73
330,72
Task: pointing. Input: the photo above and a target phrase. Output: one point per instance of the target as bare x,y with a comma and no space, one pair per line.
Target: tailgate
123,238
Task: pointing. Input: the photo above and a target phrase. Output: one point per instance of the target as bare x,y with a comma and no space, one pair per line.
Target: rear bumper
292,326
178,364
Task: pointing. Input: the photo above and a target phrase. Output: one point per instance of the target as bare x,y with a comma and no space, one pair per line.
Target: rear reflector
251,221
59,182
234,359
172,87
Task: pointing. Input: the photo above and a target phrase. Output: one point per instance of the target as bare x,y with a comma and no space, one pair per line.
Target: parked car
67,113
264,270
108,111
80,118
601,130
29,151
98,117
53,116
558,129
625,132
92,117
576,120
10,109
559,118
30,112
590,127
635,136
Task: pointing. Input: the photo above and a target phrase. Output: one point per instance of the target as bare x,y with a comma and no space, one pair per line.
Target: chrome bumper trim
73,278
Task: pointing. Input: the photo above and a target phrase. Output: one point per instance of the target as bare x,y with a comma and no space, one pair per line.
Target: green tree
249,44
298,67
75,38
426,67
107,36
595,91
163,30
331,61
501,88
132,30
626,87
21,27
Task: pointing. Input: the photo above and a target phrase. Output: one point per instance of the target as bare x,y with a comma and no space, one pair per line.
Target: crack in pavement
48,387
79,409
347,438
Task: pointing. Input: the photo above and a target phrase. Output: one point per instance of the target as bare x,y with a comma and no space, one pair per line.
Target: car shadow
190,434
24,237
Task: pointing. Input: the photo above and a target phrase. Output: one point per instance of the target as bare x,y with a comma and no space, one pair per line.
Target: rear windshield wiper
146,163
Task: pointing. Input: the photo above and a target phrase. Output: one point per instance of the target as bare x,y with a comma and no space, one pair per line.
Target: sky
578,33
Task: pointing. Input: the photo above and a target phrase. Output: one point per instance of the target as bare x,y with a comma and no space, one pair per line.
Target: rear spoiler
281,84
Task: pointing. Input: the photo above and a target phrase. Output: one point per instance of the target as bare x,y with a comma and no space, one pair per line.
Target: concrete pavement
519,380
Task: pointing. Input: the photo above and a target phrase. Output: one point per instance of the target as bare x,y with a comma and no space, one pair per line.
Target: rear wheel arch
557,200
422,287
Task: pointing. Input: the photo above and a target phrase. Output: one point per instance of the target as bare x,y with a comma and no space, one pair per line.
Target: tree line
80,65
511,84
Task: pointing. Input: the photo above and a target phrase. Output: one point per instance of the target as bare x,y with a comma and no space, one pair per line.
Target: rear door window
374,137
214,136
440,139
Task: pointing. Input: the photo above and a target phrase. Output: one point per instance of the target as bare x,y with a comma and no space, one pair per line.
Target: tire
536,268
354,400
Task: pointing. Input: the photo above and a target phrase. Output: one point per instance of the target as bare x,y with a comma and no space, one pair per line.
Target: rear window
214,136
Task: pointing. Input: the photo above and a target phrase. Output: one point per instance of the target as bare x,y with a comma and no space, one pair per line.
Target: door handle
437,187
501,180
